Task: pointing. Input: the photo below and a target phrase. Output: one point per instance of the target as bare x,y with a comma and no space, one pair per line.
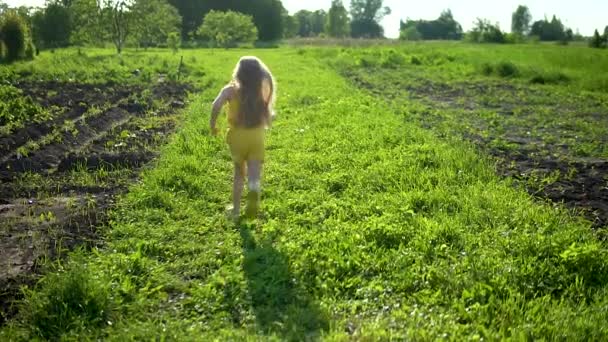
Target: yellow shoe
253,204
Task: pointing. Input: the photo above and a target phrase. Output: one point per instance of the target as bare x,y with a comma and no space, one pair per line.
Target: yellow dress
245,143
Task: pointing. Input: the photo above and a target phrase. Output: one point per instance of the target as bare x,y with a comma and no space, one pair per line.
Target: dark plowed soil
59,178
105,160
579,182
582,184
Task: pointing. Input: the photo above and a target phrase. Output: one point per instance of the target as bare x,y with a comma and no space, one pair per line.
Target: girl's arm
224,96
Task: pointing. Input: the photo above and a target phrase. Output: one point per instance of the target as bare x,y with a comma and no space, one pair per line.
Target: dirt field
533,132
58,178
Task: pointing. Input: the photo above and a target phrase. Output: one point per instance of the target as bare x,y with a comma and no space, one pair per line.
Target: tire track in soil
40,223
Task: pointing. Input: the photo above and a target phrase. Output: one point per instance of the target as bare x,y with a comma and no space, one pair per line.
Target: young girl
250,97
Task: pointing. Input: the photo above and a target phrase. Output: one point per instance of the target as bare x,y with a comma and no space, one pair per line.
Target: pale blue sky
584,15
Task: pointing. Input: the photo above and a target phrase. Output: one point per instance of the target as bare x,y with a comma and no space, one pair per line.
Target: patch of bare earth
59,178
580,182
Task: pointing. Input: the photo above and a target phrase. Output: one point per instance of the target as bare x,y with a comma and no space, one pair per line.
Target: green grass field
380,221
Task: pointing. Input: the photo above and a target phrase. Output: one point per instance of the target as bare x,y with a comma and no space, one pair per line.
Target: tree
3,7
89,25
366,16
410,33
120,20
174,41
546,30
337,20
520,21
606,34
290,25
153,20
485,32
444,27
13,31
597,41
267,14
451,28
310,24
304,19
226,29
52,26
319,18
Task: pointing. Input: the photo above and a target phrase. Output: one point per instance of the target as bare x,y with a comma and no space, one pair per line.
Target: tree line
484,31
146,23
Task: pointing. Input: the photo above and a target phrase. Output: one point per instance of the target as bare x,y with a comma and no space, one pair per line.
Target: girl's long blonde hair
248,77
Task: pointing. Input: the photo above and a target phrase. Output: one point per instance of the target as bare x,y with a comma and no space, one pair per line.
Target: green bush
16,108
410,33
486,32
366,62
514,38
507,69
550,78
15,36
487,69
30,50
503,69
226,29
392,59
174,41
597,41
68,301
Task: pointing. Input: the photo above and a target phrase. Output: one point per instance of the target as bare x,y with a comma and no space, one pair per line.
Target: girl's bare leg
254,173
237,188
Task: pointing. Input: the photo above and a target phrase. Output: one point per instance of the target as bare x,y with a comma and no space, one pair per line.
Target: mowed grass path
373,229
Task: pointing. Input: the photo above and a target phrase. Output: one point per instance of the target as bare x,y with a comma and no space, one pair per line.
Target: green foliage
392,59
16,109
267,15
597,41
13,31
174,41
365,18
520,21
337,20
445,27
52,26
118,19
410,33
30,51
486,32
226,29
89,25
553,30
487,69
74,299
153,22
310,23
365,28
507,69
290,25
514,38
549,78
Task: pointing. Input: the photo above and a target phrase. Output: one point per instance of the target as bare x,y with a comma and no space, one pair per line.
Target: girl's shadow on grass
281,304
